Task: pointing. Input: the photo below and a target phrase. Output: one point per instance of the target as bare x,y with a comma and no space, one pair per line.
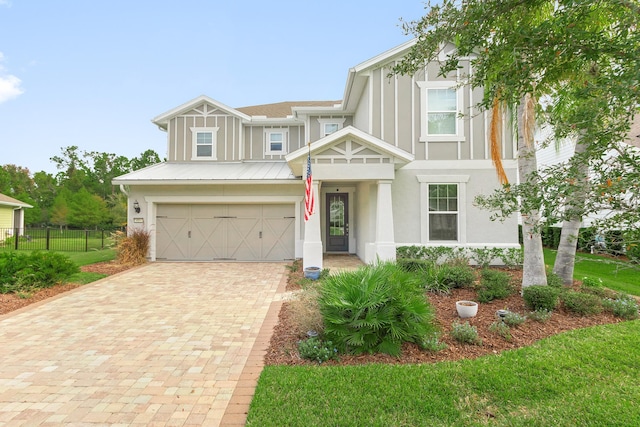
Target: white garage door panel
223,232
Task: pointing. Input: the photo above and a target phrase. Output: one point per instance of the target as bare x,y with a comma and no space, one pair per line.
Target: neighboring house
397,161
11,216
550,154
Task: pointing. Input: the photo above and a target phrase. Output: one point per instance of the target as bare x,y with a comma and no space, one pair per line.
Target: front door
337,222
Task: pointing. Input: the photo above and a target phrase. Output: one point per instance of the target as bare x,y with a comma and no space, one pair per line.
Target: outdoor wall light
136,206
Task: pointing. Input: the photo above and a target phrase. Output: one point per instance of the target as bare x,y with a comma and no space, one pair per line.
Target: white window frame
424,98
214,142
267,141
424,181
332,121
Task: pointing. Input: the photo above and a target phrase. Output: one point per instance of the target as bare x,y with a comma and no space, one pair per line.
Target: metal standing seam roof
170,172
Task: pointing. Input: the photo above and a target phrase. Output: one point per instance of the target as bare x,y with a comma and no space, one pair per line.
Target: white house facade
397,161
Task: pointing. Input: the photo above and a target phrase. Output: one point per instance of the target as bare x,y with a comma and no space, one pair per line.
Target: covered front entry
239,232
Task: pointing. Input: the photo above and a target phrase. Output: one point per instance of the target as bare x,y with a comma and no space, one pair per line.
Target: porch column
312,246
385,240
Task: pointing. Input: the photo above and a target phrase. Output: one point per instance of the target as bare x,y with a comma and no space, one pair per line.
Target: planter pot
312,273
467,309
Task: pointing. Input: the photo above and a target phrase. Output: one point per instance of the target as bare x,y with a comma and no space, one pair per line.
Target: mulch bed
11,302
283,345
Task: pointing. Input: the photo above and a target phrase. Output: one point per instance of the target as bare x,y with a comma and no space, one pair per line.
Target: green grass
615,274
86,258
584,377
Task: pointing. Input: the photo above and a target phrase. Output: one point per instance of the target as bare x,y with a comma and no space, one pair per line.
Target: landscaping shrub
305,312
432,343
375,309
484,256
22,272
513,319
500,328
456,275
591,282
540,297
512,257
317,350
132,249
414,264
623,306
554,280
581,303
465,333
541,315
494,284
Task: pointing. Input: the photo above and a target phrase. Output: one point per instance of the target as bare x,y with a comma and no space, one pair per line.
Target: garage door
225,232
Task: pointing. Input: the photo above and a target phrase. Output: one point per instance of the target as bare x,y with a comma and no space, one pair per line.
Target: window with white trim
443,212
441,112
204,143
329,126
276,141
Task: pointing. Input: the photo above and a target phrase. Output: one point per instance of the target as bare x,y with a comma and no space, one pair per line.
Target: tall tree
520,51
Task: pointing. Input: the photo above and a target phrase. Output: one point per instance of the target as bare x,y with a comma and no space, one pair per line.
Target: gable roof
163,119
296,159
10,201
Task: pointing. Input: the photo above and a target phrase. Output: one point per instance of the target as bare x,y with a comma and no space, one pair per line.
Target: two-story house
397,161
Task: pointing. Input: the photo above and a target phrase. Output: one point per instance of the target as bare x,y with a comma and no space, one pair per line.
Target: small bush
494,285
514,319
554,280
305,312
540,297
375,309
456,275
581,303
540,315
414,265
465,333
512,257
591,282
432,343
317,350
501,329
132,249
484,256
21,272
623,306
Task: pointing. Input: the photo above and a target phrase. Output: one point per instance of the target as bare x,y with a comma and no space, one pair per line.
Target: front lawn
616,274
583,377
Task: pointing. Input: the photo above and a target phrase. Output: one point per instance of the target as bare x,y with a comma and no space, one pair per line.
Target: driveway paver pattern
164,344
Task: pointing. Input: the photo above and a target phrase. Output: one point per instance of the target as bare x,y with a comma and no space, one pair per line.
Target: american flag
309,200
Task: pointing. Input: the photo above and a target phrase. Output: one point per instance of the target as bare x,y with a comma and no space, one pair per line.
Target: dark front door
337,222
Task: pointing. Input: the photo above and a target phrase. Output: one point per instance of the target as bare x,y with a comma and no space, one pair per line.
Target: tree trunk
566,258
533,271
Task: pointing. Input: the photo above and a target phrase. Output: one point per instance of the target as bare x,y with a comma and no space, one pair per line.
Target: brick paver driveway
164,344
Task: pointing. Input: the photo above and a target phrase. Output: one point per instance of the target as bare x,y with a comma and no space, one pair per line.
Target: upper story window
276,141
441,105
204,144
329,126
442,108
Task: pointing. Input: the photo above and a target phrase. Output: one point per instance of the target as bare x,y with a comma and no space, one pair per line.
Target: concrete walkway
175,344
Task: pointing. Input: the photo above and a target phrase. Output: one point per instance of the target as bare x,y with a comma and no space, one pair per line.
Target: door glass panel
336,217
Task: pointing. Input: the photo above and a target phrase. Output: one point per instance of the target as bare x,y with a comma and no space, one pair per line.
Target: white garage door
225,232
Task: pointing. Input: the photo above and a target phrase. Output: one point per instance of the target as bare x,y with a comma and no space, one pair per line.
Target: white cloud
9,84
9,88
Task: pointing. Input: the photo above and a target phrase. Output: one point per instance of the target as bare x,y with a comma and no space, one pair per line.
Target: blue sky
93,73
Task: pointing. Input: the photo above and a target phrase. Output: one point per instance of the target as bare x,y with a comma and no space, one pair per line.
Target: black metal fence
54,239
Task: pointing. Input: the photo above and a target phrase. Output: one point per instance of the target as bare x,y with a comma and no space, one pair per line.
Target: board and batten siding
255,141
180,136
390,108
